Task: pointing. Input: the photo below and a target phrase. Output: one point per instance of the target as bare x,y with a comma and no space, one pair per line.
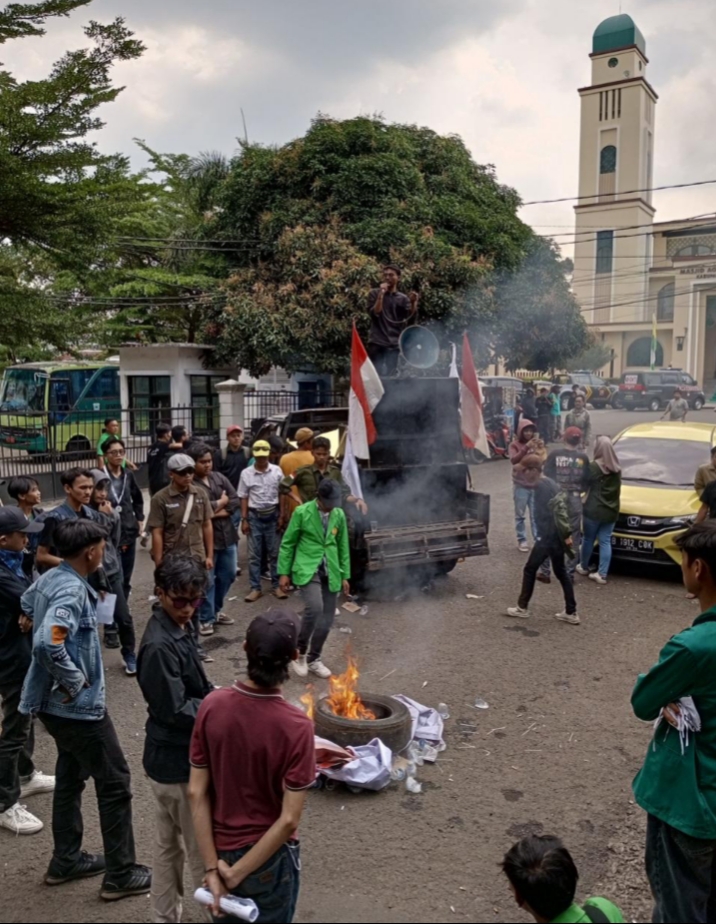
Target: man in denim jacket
65,688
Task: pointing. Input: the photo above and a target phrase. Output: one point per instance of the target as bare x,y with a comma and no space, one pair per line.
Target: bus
57,406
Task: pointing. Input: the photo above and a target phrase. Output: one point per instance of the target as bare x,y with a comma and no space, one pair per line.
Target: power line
706,220
626,192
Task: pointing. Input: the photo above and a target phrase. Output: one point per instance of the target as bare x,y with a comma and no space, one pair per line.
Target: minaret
615,213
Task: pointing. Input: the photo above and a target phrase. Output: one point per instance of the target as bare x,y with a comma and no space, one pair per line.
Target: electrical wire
626,192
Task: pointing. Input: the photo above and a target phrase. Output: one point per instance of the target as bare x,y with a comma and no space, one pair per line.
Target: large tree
60,197
308,226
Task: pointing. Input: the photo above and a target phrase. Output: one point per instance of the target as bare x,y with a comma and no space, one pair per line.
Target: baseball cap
304,435
235,428
180,463
13,520
572,433
273,636
261,449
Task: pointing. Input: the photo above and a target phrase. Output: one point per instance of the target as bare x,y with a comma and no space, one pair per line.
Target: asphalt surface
556,751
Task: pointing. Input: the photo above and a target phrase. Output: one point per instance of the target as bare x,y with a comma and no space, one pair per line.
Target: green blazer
680,789
305,545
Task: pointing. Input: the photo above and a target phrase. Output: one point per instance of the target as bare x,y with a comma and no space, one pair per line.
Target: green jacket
602,503
305,545
680,789
308,479
577,915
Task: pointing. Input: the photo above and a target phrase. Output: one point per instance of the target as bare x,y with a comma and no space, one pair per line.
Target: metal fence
43,445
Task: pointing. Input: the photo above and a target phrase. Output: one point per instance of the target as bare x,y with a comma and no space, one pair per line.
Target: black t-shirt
157,466
233,465
569,468
388,326
709,498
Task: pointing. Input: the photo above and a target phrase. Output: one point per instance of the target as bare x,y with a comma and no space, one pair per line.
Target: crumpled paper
370,770
427,723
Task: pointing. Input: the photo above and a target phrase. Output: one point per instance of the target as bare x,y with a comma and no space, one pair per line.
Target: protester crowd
230,768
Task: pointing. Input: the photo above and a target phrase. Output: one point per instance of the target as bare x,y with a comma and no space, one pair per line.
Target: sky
503,75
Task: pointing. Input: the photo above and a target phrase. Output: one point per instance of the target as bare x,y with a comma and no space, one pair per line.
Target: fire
309,703
345,700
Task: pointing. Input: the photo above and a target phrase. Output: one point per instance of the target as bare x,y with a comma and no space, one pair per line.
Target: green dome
618,32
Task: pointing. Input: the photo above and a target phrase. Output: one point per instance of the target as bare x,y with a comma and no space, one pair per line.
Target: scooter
498,439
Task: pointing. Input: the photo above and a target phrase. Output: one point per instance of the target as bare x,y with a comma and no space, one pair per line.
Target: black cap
273,636
13,520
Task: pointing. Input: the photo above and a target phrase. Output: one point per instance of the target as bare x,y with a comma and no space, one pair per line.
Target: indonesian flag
474,435
366,391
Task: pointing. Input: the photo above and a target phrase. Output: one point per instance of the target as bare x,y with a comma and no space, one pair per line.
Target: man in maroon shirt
252,761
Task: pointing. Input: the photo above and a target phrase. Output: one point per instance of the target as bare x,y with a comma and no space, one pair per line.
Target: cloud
502,75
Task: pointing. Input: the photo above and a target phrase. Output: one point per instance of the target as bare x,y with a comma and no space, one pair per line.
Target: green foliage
19,20
319,216
540,325
595,357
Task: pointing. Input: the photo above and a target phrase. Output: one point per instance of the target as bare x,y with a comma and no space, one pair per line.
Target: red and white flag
474,434
366,392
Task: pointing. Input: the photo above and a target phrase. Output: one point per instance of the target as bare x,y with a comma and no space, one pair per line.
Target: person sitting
544,878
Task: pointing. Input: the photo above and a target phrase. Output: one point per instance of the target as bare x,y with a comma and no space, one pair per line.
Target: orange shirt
291,462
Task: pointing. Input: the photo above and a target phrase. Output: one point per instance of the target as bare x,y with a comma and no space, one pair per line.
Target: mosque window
608,159
666,302
694,250
605,251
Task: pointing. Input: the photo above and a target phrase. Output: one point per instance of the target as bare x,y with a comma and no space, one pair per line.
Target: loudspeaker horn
419,347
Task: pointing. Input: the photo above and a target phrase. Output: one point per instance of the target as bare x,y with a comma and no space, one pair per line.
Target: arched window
667,299
639,353
695,250
608,160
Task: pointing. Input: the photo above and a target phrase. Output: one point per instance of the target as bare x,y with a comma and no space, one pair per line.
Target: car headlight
681,521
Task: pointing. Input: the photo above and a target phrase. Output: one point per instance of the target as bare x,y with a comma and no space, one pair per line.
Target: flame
309,702
345,700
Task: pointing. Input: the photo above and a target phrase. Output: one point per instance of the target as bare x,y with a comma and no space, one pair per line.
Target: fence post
231,406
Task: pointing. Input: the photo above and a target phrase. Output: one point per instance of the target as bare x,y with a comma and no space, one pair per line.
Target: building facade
631,271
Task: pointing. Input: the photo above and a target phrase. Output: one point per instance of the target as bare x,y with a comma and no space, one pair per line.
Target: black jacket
225,532
174,685
125,493
231,464
15,646
545,491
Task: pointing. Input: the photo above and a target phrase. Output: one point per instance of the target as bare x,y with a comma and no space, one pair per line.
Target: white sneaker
516,612
572,620
300,667
523,547
39,782
18,820
597,578
320,670
583,571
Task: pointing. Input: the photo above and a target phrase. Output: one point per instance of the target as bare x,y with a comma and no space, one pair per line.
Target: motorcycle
498,440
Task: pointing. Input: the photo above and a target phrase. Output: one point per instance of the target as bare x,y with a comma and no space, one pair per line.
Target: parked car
654,390
598,391
658,502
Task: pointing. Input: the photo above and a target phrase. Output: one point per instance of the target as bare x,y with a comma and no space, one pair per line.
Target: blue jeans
524,500
263,536
274,887
602,532
221,578
682,874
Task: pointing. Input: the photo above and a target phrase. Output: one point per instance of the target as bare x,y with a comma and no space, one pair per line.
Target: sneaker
18,820
300,667
206,628
130,666
583,571
223,620
254,596
516,612
280,594
86,867
597,578
37,783
138,881
111,640
523,547
544,578
238,572
320,670
572,620
144,541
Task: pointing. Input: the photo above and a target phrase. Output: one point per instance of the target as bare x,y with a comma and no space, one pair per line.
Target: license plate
638,546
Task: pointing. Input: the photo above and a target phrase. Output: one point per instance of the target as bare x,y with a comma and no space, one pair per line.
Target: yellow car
658,502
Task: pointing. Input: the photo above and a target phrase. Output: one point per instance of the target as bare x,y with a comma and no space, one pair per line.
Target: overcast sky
503,75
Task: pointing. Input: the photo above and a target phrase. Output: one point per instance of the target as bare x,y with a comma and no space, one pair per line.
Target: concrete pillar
231,406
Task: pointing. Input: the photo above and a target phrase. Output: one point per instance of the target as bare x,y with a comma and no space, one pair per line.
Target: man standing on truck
390,312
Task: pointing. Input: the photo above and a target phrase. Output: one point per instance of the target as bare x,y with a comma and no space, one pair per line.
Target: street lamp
680,341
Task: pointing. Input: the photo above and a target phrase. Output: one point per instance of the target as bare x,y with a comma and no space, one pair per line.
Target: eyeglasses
182,603
185,473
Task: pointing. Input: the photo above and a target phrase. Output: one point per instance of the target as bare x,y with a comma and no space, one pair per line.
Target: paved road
556,752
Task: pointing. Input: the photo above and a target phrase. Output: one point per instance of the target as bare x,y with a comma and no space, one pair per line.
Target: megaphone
419,347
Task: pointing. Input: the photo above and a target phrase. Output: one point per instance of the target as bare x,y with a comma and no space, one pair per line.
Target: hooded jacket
519,450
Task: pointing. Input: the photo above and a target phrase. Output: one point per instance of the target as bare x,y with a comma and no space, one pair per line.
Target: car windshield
23,391
671,462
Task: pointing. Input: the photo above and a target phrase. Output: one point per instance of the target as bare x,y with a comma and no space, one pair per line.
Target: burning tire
393,725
